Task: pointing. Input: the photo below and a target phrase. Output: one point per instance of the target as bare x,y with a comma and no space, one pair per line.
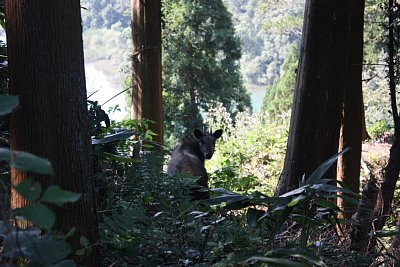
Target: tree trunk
146,64
47,72
318,99
351,132
363,218
392,169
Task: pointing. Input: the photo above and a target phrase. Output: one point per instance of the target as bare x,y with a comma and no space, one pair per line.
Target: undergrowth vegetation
250,155
149,218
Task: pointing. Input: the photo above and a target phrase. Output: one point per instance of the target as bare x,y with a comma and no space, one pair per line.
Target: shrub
250,154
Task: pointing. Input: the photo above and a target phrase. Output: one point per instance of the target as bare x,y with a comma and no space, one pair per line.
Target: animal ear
197,133
217,134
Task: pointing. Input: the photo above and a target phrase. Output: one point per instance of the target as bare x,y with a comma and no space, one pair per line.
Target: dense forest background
269,32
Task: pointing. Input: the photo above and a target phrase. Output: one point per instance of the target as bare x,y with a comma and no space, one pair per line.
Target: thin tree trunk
146,64
47,72
318,99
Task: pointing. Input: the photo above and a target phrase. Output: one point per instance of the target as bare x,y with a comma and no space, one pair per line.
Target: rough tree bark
146,64
363,218
46,70
352,123
318,99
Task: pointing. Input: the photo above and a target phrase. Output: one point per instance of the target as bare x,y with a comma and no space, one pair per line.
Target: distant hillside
267,29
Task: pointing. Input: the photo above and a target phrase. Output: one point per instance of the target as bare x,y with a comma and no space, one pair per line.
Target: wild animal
189,157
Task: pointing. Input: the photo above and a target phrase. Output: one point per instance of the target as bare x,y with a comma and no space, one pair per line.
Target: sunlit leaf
326,188
295,191
113,137
383,233
296,200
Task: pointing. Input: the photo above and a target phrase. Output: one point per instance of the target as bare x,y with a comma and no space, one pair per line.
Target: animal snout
208,155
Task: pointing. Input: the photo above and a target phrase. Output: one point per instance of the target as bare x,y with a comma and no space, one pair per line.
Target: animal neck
192,145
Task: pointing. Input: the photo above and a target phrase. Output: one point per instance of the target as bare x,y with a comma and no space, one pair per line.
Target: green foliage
308,208
103,14
251,151
373,37
267,30
378,129
200,63
30,244
279,96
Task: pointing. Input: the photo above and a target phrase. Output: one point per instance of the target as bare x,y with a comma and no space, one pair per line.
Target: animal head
207,141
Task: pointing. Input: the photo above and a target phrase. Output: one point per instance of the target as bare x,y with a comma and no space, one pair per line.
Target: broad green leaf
348,199
48,251
270,200
253,216
326,188
299,253
5,154
223,191
39,215
383,233
225,198
295,191
25,161
55,195
113,137
326,204
276,261
296,200
279,223
70,233
323,168
29,189
8,103
40,250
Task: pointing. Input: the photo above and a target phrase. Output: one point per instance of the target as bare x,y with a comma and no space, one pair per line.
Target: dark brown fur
189,158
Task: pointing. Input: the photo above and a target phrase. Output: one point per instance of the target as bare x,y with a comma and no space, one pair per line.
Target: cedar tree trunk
146,64
47,72
320,84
